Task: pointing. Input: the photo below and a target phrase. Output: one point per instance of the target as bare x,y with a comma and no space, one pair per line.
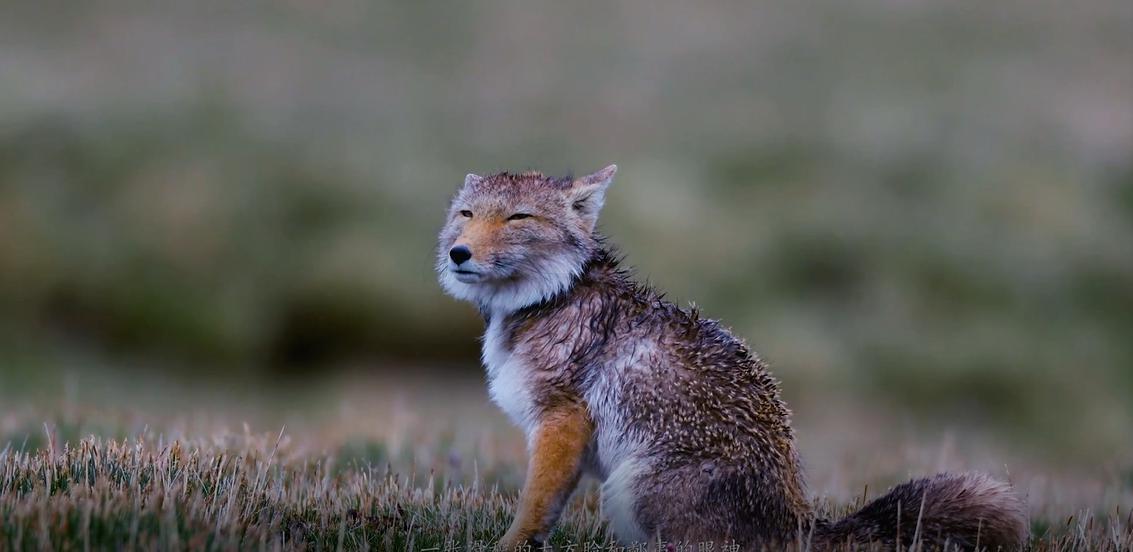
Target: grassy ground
396,466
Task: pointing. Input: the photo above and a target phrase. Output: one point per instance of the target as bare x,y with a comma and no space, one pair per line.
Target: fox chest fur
536,363
508,381
619,352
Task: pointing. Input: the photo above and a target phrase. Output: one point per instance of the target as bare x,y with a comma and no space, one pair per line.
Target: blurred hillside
928,204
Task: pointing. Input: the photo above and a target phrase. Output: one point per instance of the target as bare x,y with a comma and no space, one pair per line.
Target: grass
230,493
389,469
242,493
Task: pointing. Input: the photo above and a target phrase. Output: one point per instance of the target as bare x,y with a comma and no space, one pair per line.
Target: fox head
513,240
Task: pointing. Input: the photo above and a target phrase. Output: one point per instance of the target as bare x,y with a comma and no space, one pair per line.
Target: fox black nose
459,254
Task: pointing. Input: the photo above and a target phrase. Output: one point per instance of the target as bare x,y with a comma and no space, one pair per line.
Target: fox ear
470,179
587,194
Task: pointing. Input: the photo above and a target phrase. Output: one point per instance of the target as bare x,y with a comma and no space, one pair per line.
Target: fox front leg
553,469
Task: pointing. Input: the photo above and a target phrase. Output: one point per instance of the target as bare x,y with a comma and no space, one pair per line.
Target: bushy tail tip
966,511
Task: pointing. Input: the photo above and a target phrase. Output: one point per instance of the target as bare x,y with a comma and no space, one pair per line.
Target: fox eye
519,216
466,213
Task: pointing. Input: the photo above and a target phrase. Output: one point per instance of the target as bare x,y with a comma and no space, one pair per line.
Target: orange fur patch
552,472
479,235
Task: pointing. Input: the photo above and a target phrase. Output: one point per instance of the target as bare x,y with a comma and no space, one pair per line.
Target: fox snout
462,269
476,251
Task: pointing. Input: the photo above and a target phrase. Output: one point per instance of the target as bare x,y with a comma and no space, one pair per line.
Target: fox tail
966,511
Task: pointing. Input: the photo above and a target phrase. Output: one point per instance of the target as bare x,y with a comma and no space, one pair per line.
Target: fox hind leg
714,502
620,496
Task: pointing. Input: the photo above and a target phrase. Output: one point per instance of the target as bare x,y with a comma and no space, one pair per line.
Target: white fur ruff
507,382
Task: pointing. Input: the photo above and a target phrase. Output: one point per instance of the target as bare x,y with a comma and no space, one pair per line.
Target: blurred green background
925,204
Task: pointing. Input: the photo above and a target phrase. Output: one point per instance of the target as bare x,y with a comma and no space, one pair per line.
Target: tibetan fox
678,419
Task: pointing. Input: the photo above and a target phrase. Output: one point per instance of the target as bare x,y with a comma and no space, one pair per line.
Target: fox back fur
679,419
